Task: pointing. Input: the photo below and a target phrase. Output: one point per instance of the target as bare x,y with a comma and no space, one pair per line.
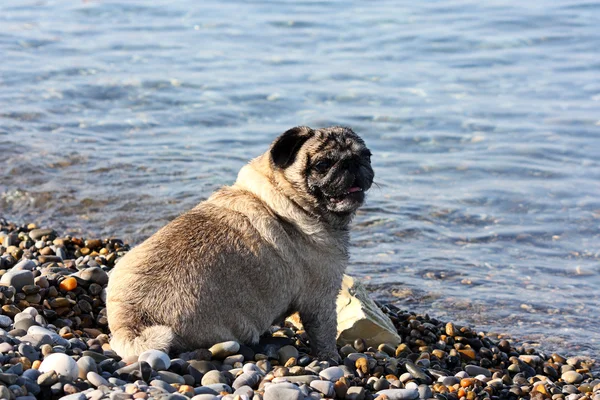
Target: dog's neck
257,178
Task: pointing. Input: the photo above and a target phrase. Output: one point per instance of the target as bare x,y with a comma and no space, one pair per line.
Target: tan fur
226,270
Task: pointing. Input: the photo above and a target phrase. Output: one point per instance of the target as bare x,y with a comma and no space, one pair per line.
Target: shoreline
53,319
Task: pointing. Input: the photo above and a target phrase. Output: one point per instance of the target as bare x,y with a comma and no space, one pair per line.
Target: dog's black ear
286,146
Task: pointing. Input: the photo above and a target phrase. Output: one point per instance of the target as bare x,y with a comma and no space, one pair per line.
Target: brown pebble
466,382
47,251
10,310
467,354
402,348
290,362
362,364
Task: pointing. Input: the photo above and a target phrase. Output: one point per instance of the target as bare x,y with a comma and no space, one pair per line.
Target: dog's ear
286,146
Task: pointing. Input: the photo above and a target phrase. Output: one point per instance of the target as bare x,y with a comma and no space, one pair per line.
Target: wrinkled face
333,165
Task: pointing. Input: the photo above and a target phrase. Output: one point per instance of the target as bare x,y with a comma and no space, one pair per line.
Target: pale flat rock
359,317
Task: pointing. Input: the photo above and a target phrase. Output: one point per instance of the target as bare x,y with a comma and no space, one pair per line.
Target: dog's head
329,170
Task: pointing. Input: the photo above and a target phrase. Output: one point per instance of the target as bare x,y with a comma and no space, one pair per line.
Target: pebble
474,370
355,393
572,377
60,314
96,379
94,275
417,372
287,352
157,359
400,394
250,379
62,364
17,279
332,373
281,392
224,349
212,377
86,365
325,387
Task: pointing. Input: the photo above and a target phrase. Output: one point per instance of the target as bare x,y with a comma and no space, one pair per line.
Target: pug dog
273,243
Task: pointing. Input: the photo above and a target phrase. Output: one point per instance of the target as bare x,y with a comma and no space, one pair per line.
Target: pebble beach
54,341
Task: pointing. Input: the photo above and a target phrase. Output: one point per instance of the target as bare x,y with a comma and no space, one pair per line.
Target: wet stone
474,370
417,373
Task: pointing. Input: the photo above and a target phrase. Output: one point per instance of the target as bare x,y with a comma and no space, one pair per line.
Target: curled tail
126,342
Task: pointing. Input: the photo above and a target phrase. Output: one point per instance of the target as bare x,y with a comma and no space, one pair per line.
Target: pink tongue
354,189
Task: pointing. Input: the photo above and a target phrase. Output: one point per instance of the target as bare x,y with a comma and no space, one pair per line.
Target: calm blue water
483,117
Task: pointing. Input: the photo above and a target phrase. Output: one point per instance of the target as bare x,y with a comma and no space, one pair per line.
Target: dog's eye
322,165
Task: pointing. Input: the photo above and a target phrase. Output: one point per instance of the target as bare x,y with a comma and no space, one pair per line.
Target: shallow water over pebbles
483,117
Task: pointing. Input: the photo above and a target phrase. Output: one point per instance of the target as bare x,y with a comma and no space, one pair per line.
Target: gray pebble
47,379
31,374
205,397
25,324
220,387
37,234
281,392
325,387
75,396
572,377
224,349
449,380
86,364
244,391
9,379
17,279
29,351
332,373
474,370
6,347
94,275
417,373
355,393
96,379
425,392
157,359
251,379
25,265
400,394
287,352
171,377
163,385
212,377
